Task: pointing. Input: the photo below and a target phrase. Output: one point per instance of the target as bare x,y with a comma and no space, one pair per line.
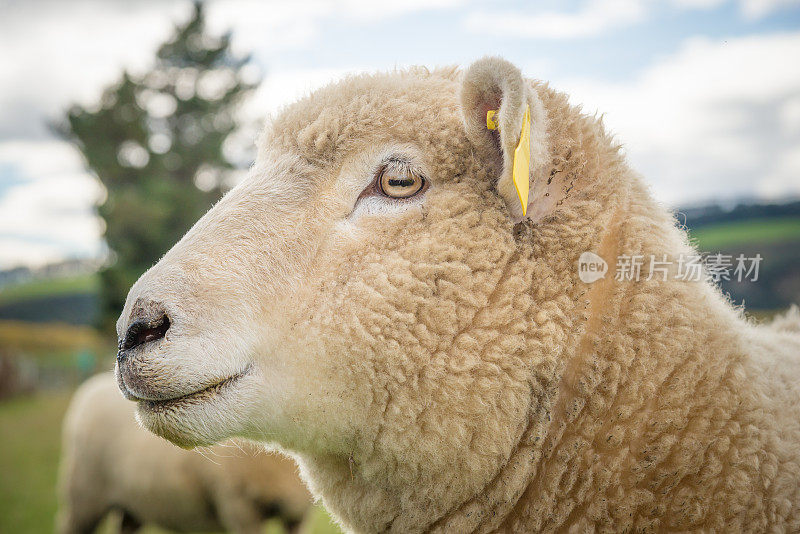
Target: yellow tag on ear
522,161
522,156
491,123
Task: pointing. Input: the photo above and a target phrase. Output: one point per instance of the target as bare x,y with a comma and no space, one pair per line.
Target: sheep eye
399,182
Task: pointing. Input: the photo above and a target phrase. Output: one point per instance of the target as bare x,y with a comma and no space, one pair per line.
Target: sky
704,95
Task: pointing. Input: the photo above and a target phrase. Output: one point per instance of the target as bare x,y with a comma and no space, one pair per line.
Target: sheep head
371,298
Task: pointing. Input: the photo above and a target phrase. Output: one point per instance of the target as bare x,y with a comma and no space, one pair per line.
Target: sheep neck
649,428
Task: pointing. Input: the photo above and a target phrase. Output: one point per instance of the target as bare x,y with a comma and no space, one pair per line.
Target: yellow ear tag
491,123
522,161
522,156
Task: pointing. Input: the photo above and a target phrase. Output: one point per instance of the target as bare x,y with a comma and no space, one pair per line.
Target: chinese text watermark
686,267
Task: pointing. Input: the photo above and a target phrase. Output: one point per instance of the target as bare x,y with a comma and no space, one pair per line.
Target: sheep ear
496,87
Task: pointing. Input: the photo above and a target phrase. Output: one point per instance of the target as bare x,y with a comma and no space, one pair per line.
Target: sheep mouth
197,397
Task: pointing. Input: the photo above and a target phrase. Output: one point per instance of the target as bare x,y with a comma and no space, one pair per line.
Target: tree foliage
160,144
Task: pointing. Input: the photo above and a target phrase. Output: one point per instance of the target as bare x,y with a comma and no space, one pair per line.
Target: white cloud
750,9
285,86
268,27
698,4
595,17
49,216
790,116
15,252
785,168
712,121
40,158
55,53
756,9
271,27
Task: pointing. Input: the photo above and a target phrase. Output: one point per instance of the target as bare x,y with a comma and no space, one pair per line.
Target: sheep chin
204,417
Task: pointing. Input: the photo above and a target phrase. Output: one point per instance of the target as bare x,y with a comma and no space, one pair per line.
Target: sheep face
387,341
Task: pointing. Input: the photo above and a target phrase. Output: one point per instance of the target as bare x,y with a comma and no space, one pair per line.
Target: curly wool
636,405
438,365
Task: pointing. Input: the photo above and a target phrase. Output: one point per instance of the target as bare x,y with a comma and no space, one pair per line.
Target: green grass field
48,288
724,235
30,443
30,428
44,338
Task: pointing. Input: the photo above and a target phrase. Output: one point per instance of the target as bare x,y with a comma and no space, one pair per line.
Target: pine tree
157,142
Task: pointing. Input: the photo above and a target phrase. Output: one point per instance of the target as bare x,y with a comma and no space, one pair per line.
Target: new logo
591,267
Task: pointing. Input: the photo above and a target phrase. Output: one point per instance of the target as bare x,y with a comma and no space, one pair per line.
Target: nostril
142,332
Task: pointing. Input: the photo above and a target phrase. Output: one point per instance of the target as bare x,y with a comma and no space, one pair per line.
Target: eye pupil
400,182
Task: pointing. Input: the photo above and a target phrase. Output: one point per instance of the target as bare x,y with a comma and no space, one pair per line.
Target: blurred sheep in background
111,464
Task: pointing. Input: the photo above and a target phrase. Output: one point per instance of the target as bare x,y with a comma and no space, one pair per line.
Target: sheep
376,298
110,463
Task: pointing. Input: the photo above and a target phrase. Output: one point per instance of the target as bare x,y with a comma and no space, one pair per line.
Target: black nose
144,331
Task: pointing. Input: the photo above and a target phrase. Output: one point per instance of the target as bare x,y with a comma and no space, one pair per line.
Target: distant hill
71,299
771,230
698,216
72,267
